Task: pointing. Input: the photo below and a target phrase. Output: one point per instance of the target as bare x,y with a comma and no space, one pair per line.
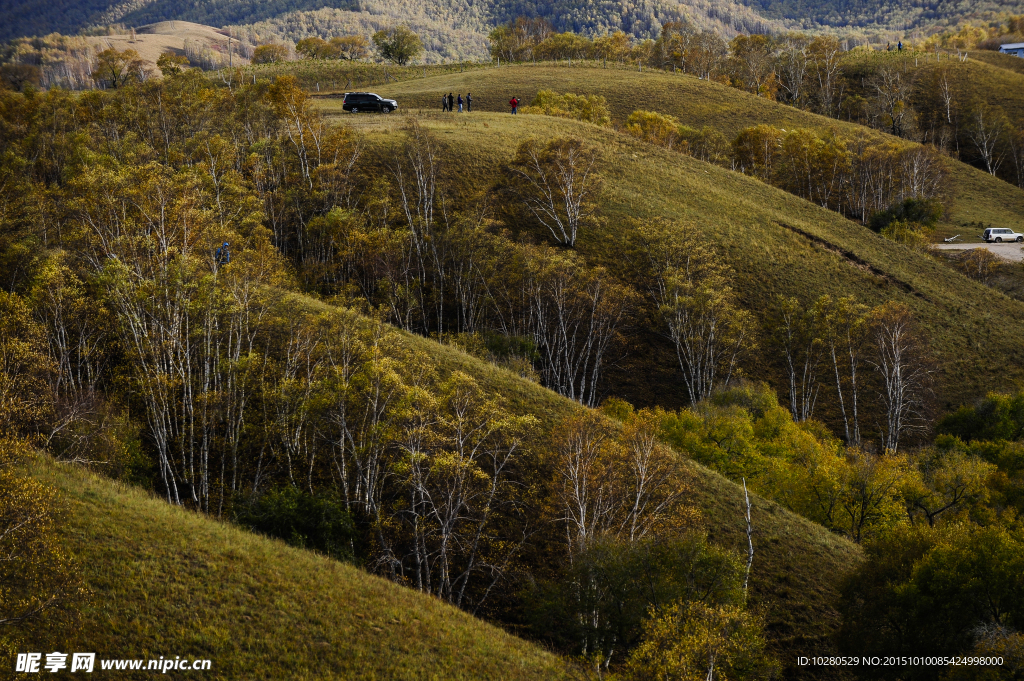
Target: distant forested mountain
458,28
894,14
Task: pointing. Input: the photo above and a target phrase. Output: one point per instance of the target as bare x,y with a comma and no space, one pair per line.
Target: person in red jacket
514,103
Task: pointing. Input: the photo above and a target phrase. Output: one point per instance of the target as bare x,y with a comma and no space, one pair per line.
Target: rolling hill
977,196
776,242
167,581
170,36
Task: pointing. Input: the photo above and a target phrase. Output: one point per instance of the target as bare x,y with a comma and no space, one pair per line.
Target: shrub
979,264
695,640
587,108
610,588
923,211
314,521
653,127
706,144
906,233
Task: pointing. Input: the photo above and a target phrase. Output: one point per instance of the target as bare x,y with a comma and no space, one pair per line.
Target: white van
1000,235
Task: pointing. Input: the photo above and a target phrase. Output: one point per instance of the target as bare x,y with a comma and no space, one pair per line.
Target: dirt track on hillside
1012,252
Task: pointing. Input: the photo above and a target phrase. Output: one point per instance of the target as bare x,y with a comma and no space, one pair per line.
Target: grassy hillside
977,196
797,562
168,582
1003,61
777,243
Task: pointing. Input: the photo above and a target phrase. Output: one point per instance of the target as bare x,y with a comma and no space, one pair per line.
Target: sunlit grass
976,195
776,243
168,582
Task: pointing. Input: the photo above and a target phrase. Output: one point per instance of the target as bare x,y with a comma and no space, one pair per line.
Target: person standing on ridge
451,102
514,103
444,103
469,102
460,102
899,46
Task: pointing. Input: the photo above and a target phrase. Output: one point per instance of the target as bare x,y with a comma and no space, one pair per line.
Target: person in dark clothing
514,103
451,101
899,46
223,255
469,102
460,102
444,102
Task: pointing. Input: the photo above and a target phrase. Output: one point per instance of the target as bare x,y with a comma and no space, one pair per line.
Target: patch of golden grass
169,582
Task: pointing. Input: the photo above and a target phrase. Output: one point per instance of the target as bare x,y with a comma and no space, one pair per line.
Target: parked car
999,235
368,101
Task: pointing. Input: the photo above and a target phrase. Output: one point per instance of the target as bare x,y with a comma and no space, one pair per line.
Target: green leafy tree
398,45
932,592
1000,416
949,480
171,64
269,54
314,48
349,47
118,68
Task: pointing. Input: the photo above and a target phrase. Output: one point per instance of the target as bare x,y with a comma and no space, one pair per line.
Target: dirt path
1011,252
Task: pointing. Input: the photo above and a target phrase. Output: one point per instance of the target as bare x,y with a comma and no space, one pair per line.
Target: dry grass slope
169,36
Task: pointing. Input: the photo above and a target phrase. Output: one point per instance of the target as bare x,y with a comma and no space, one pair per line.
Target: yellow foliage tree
698,642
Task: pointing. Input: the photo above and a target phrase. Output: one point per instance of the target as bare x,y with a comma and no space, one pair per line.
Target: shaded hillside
878,13
458,28
795,575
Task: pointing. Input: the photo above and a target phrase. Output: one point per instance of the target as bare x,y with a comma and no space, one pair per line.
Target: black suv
368,101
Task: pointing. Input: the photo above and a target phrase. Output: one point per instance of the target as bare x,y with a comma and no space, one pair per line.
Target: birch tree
575,312
796,334
558,182
987,130
458,452
905,375
695,301
841,325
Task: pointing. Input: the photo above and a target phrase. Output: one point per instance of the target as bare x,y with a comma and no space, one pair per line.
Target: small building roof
1012,46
